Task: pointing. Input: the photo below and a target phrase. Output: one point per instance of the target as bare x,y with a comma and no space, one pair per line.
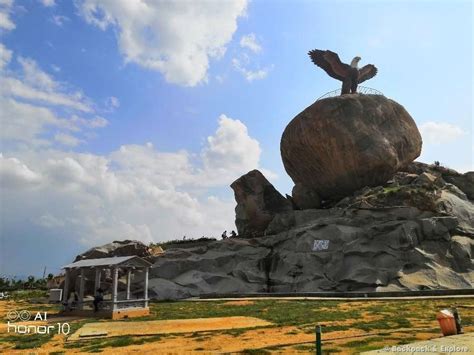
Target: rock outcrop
257,203
415,232
341,144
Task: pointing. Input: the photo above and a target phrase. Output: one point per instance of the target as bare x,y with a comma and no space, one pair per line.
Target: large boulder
257,203
341,144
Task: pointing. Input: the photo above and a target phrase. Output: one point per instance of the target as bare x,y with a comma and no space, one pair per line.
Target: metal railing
360,90
106,305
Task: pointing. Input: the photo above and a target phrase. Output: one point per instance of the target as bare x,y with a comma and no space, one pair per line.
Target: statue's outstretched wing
367,72
330,62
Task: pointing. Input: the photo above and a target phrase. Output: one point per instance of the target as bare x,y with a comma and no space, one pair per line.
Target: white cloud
16,88
177,38
59,20
231,149
35,84
24,122
251,75
67,139
5,56
14,174
440,132
35,77
134,192
250,42
48,3
5,11
96,122
29,102
49,221
112,103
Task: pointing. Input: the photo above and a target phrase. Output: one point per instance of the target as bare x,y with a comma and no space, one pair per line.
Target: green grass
278,312
255,351
384,318
363,342
25,295
94,345
26,341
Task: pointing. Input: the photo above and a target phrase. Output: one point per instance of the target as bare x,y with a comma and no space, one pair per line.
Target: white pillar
97,280
81,290
129,277
66,286
146,287
114,287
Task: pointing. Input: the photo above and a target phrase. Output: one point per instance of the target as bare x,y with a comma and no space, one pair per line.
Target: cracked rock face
341,144
257,203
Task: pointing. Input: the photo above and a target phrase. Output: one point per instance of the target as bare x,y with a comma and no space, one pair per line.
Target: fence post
318,340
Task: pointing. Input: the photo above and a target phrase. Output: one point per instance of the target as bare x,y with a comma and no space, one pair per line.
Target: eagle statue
350,75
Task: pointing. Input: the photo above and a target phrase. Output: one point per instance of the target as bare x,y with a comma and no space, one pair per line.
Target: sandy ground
138,328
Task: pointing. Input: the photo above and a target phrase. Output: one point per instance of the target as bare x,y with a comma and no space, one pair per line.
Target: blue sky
129,119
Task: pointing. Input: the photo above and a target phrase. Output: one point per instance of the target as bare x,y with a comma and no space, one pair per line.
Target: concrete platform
141,328
455,344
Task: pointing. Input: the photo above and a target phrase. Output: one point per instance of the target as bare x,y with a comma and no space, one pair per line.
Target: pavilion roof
118,261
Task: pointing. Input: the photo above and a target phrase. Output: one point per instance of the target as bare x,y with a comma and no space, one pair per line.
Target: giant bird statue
350,75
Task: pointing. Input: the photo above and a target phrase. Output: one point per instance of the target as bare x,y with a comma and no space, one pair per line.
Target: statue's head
355,61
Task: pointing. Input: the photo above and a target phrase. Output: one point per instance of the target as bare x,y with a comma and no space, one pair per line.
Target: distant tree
4,283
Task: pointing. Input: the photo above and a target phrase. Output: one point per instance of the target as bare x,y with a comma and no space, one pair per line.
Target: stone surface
464,182
305,198
425,179
257,203
369,250
341,144
116,248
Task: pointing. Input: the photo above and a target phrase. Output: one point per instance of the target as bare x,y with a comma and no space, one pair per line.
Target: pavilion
110,307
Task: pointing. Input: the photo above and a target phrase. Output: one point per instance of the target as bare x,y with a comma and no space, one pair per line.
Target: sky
129,119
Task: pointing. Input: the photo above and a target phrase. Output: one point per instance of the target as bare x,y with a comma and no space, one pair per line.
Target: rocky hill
415,232
362,216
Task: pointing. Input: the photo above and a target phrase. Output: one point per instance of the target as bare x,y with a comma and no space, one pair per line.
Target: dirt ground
112,329
235,334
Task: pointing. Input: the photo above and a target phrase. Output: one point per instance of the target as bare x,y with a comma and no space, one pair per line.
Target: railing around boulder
360,90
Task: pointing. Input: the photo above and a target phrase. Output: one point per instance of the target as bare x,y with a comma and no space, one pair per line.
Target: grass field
348,326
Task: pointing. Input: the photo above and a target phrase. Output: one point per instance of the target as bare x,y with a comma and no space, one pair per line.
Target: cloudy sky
130,118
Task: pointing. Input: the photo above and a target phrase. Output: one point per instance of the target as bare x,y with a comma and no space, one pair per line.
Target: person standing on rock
224,235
